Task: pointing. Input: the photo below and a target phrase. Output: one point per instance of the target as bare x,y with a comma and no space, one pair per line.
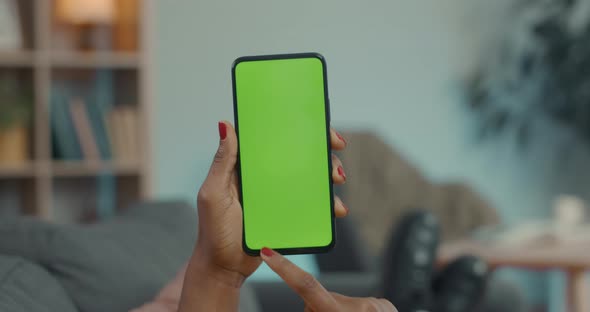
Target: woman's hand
218,253
315,296
220,213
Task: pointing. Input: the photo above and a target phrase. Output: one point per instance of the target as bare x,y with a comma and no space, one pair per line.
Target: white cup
569,210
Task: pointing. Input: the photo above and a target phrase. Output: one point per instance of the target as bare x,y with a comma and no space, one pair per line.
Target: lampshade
86,11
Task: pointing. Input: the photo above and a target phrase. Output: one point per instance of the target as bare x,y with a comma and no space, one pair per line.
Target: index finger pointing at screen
303,283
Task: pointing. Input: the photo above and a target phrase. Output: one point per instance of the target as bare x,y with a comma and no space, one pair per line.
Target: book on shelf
66,145
78,127
84,130
99,128
122,124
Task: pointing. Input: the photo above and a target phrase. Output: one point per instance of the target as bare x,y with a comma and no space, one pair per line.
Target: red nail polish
341,172
222,130
340,137
267,252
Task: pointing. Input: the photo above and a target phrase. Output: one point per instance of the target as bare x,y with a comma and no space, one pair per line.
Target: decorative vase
14,145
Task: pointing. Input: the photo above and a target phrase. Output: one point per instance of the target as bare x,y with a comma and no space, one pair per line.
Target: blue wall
394,67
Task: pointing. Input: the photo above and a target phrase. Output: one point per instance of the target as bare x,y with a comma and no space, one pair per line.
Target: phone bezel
299,250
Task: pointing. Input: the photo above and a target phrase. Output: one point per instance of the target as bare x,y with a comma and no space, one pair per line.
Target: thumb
224,163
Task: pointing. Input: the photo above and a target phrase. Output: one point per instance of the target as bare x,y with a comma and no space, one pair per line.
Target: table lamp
92,20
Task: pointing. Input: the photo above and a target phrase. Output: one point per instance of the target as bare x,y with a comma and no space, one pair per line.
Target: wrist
208,287
203,266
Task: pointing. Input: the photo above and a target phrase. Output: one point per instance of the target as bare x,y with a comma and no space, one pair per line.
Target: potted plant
540,72
15,115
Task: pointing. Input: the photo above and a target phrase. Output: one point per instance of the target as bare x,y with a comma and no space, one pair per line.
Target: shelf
17,58
94,60
17,171
72,60
49,60
83,169
71,169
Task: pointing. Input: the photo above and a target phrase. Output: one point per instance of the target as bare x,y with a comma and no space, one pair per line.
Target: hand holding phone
219,265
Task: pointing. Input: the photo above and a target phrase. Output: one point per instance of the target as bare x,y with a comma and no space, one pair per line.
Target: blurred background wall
75,92
395,67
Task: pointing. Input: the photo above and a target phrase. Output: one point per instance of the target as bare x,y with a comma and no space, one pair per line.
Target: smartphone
282,119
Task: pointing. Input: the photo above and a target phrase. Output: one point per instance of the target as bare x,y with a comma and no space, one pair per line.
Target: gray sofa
112,266
120,264
123,263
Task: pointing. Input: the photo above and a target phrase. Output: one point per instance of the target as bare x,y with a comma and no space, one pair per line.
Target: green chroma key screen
281,114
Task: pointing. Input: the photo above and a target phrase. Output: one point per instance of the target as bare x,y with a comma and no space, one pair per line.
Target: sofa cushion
384,186
111,266
27,287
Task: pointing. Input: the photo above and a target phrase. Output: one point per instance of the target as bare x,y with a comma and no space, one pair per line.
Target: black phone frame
298,250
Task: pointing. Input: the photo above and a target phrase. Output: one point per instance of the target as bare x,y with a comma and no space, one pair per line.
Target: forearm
207,288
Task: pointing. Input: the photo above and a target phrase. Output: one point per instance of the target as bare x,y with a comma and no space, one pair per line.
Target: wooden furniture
571,258
48,187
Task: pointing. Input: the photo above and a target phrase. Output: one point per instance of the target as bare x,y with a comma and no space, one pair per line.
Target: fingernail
222,130
340,137
341,172
267,252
